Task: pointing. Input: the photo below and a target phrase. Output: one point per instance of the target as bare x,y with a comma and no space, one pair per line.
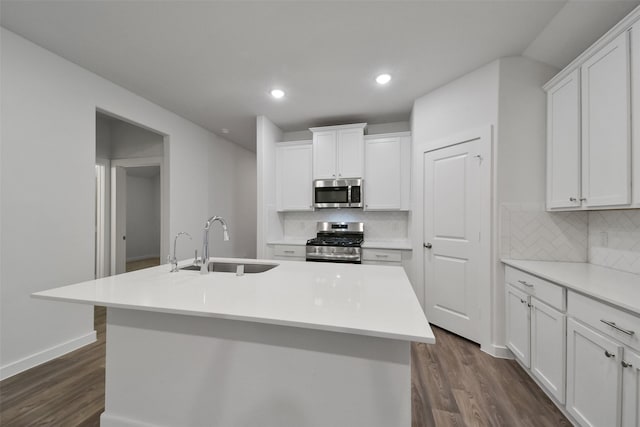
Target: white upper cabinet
635,111
294,180
593,121
563,143
338,151
387,172
606,139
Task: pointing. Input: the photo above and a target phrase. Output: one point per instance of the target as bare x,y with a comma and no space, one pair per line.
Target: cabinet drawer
595,313
289,250
545,291
381,255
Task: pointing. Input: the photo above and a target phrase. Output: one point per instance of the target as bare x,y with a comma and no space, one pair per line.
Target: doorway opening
131,196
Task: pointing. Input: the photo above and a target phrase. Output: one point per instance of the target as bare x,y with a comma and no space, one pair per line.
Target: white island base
178,370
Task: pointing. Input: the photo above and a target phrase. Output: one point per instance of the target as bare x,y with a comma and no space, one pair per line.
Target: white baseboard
498,351
39,358
107,420
141,257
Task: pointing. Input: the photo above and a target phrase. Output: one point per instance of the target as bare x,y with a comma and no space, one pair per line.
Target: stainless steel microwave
337,193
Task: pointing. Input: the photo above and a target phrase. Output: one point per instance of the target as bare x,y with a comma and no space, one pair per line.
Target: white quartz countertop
359,299
612,286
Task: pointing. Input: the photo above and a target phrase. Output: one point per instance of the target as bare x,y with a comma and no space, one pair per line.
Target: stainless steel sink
232,267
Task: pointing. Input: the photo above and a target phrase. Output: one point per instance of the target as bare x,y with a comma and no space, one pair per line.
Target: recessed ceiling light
383,79
225,130
277,93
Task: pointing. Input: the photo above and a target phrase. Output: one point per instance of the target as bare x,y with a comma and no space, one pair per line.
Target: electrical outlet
604,239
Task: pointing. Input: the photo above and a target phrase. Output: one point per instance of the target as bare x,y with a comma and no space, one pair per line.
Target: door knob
427,245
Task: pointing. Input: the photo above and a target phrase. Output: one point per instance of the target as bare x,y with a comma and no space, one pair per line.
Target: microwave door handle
349,195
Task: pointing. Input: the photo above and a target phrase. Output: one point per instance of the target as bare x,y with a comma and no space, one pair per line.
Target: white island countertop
612,286
367,300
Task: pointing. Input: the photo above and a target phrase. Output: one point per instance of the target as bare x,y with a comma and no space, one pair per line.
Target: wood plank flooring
142,263
453,384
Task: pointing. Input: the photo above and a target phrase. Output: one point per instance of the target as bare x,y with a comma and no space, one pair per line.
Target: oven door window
332,195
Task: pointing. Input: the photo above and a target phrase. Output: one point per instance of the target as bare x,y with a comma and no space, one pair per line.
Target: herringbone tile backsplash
607,238
529,232
614,239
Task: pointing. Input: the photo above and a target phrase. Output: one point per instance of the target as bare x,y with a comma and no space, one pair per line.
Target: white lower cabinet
630,389
548,347
289,252
594,376
518,320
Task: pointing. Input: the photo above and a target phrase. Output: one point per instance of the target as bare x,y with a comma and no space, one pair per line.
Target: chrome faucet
174,260
204,268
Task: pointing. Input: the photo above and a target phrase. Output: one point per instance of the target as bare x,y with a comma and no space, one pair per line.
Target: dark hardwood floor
453,384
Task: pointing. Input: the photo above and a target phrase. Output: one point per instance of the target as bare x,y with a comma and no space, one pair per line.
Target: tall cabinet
592,120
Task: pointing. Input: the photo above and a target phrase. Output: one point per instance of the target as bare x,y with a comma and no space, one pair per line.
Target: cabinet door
294,182
631,389
606,174
350,153
563,143
324,154
548,347
594,377
635,110
518,330
383,174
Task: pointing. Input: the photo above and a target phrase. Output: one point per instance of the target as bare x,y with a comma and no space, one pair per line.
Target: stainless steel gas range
337,242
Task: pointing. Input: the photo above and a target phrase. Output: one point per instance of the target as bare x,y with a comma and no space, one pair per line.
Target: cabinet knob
609,355
626,364
573,199
427,245
583,199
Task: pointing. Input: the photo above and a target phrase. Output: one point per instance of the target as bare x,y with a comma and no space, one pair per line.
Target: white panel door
594,377
606,157
563,143
452,215
324,155
548,347
119,220
350,153
383,174
517,324
631,389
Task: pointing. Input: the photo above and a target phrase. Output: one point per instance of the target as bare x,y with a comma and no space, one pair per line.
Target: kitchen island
303,344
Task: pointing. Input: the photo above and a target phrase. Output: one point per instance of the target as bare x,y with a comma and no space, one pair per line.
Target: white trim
162,162
485,293
107,420
498,351
387,135
339,127
103,170
614,32
294,143
41,357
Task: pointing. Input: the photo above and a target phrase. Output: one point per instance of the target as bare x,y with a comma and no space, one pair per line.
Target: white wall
129,141
47,198
467,103
506,94
269,224
143,217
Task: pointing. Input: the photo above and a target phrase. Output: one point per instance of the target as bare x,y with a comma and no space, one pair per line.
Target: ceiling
214,62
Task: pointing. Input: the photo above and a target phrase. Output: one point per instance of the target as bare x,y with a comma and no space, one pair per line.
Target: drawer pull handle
382,256
626,364
289,252
614,326
525,283
606,353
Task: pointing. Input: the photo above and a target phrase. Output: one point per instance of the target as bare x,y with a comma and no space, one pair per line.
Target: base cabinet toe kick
584,353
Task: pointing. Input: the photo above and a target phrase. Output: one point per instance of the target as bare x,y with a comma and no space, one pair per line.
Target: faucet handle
196,261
